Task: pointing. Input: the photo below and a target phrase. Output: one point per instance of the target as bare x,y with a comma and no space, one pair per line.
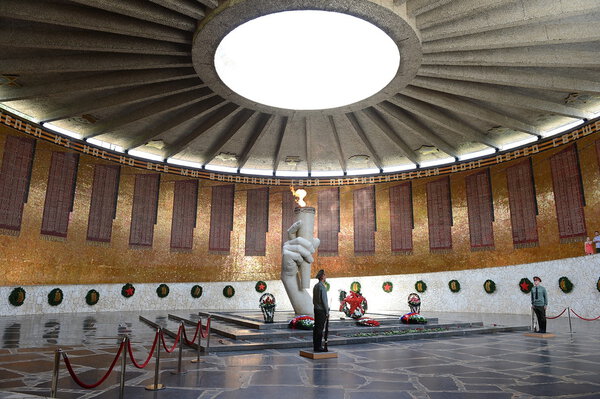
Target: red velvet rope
149,355
162,338
583,318
556,317
90,386
205,329
188,342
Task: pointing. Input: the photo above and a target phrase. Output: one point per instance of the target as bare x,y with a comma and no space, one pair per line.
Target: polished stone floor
502,365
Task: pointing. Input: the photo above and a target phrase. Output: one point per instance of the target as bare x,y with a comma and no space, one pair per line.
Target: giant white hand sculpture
294,252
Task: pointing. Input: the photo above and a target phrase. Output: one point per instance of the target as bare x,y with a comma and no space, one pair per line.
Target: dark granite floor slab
483,388
141,393
333,377
498,365
470,395
30,367
275,376
443,370
5,384
380,376
578,366
524,357
380,395
495,366
396,386
557,389
403,362
384,354
549,369
593,378
203,378
283,392
44,394
5,374
90,377
489,380
438,383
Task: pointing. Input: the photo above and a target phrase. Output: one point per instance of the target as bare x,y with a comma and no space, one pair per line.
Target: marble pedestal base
318,355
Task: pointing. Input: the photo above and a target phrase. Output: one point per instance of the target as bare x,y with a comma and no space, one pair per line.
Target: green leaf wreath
17,296
565,284
598,284
489,286
355,286
260,286
387,286
196,291
420,286
92,297
454,285
128,290
55,297
228,291
162,290
525,285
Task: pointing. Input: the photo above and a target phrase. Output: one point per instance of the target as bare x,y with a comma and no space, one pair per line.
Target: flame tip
299,196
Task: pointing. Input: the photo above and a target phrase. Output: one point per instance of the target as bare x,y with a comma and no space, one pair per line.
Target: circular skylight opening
307,60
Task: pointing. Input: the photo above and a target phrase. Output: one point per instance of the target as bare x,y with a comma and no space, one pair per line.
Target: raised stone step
344,329
227,346
230,332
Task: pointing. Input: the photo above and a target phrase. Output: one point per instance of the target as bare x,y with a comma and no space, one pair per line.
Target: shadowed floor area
501,365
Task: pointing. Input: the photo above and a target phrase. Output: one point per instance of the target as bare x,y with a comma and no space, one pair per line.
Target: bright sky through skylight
307,60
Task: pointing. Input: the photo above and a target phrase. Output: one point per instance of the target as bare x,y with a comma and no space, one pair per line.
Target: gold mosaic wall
30,260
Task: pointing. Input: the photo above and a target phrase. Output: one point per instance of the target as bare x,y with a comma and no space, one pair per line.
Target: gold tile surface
30,260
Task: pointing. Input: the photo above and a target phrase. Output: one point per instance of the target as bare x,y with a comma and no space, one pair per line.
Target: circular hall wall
29,257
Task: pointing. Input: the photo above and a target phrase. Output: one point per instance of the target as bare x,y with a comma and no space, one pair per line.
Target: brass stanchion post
570,326
123,365
156,386
54,387
181,338
197,359
207,333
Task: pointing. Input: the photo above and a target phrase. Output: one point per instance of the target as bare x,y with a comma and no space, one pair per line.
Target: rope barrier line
583,318
90,386
162,338
136,364
556,317
193,340
205,330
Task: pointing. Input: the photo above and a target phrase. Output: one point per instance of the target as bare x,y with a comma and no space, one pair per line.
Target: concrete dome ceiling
474,75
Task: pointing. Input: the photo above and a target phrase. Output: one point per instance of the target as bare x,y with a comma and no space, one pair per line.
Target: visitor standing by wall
597,241
539,303
321,308
589,246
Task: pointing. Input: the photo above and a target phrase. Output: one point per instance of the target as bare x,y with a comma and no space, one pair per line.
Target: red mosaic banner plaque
288,204
221,218
103,205
15,174
568,195
523,204
480,208
144,213
439,215
185,209
257,221
60,194
365,221
401,218
329,221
